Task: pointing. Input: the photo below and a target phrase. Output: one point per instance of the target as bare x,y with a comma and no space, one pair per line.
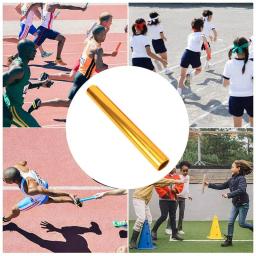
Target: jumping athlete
140,46
45,31
240,199
238,75
16,83
26,27
35,188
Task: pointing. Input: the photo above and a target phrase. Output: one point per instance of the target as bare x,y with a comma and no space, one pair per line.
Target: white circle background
103,151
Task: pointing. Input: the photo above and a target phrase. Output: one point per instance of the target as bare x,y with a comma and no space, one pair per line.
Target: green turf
199,230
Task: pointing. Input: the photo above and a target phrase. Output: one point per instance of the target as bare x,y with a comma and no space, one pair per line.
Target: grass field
199,230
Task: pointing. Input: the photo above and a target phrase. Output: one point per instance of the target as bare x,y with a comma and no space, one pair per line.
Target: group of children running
238,71
17,79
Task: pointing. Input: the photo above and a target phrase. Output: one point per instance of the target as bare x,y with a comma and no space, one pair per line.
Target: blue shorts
143,63
190,58
25,30
159,46
237,105
44,33
29,202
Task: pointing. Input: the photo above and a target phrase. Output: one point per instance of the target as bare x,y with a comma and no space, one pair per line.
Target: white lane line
13,188
216,240
208,112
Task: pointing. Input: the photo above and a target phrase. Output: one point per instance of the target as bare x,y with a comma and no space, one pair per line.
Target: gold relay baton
153,154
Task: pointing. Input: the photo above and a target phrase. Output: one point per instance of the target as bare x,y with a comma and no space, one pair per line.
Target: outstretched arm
112,192
52,7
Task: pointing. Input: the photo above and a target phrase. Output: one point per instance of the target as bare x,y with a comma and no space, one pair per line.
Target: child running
141,199
208,29
35,188
157,36
238,75
26,27
191,55
240,199
140,47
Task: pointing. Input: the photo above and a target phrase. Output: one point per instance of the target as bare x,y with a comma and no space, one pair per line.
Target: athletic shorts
190,58
43,34
79,80
25,30
159,46
29,202
237,105
77,65
203,47
143,63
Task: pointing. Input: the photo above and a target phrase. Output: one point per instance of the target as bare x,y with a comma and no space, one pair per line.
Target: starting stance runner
141,199
207,30
140,46
26,27
240,199
44,31
35,188
238,75
192,53
91,62
16,83
105,20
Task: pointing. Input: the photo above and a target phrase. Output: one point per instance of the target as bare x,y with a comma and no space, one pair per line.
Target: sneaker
154,235
176,238
167,71
45,54
181,232
43,76
60,62
168,231
77,202
188,80
35,105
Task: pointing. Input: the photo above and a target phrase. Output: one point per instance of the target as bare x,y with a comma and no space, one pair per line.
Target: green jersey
14,95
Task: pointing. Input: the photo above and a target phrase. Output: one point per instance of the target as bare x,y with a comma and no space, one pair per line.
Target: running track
47,152
74,31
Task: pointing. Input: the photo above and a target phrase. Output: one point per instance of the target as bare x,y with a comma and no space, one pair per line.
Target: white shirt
208,27
185,192
154,31
251,48
195,42
29,19
47,18
138,45
241,85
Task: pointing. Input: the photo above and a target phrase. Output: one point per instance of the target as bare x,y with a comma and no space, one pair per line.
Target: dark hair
197,24
140,24
11,173
105,16
184,163
153,15
207,13
239,41
245,167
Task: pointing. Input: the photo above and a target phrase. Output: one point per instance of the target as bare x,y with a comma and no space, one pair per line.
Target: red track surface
46,151
50,116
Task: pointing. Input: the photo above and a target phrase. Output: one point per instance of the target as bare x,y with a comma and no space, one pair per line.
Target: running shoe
77,202
45,54
176,238
167,71
60,62
43,76
181,232
168,231
35,105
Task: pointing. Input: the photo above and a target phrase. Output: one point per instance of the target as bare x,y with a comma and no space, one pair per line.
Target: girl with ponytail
238,75
140,47
240,199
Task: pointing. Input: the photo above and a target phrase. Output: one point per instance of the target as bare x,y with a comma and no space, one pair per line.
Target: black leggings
79,80
166,207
